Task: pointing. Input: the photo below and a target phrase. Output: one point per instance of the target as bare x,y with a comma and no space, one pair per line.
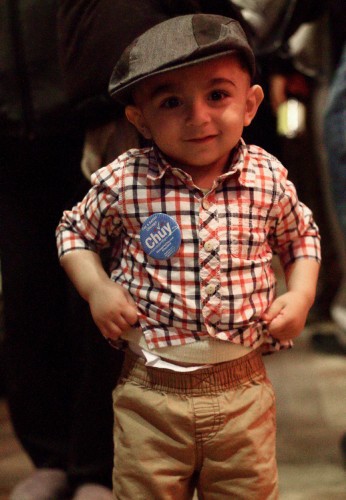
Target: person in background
92,36
50,349
335,142
289,38
58,373
50,346
198,215
335,131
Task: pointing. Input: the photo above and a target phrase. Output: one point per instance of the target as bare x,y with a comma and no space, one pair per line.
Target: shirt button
206,204
208,246
210,289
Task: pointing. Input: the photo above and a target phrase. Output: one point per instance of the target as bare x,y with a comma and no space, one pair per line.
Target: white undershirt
185,358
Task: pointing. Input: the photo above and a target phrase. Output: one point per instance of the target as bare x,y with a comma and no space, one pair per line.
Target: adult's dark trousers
59,371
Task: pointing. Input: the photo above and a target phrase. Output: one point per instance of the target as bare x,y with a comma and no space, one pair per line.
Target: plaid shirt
220,281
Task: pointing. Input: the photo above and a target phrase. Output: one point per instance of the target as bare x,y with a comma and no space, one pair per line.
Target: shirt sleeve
94,222
296,234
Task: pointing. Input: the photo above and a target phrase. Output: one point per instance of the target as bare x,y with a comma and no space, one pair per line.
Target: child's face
196,114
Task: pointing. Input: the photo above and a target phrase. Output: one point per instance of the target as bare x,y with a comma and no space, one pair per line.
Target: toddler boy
198,216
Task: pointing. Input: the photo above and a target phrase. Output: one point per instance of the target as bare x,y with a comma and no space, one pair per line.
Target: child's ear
135,116
254,99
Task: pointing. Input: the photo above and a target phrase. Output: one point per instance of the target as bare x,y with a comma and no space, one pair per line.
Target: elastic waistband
216,379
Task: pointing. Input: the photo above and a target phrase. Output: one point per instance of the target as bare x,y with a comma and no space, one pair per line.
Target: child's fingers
277,328
273,311
285,327
129,313
110,330
113,329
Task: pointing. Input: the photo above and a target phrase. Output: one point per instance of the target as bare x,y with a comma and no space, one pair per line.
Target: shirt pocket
248,233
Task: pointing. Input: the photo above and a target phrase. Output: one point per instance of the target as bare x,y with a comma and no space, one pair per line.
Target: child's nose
197,113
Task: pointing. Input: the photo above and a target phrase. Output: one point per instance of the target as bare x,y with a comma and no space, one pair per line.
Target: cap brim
123,93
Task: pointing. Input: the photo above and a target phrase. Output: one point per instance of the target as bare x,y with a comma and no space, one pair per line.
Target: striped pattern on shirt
220,282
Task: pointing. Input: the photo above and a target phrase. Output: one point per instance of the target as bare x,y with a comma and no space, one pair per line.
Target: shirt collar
158,165
241,162
244,164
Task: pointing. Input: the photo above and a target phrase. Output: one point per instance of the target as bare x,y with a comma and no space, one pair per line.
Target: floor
311,400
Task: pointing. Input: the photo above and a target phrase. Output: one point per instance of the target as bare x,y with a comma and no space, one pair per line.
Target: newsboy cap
175,43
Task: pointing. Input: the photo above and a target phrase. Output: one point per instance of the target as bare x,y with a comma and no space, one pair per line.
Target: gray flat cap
175,43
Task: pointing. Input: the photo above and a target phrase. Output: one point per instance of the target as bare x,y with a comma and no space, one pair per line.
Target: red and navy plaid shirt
220,281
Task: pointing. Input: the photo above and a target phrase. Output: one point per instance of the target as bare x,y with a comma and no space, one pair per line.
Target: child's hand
287,315
112,309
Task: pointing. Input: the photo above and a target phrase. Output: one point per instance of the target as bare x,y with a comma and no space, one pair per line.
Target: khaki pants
213,429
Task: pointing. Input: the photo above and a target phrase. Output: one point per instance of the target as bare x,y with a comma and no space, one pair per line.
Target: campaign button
160,236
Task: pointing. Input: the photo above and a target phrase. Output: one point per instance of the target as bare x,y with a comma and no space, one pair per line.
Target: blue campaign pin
160,236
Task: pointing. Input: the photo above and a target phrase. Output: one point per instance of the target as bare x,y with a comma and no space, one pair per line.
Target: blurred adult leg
90,458
335,139
35,178
60,372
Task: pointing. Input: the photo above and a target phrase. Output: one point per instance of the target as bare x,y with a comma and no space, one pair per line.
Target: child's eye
218,95
171,102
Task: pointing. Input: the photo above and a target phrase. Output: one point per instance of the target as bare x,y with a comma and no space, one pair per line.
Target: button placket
209,258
